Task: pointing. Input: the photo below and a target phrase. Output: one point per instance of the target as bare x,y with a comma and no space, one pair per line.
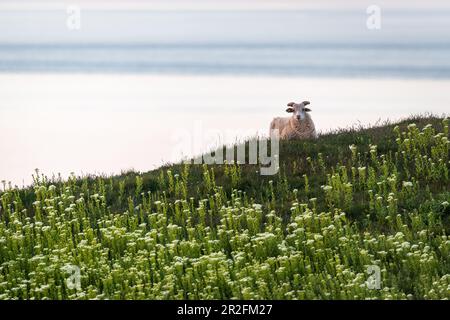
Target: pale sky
220,4
221,21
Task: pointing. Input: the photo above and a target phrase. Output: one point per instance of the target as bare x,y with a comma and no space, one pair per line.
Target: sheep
299,126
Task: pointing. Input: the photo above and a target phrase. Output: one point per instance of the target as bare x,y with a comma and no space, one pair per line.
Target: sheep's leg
272,127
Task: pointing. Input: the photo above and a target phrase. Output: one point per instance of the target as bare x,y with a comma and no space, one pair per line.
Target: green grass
352,199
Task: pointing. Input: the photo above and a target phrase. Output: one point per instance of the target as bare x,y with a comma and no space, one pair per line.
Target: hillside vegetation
341,208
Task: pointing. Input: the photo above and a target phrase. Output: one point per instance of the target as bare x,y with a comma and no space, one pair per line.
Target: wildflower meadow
358,214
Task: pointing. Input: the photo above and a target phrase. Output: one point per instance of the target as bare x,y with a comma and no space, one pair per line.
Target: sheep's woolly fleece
291,128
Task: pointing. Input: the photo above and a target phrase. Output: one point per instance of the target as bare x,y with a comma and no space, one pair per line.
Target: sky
221,4
167,21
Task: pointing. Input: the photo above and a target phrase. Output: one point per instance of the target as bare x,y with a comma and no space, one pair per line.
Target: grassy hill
341,208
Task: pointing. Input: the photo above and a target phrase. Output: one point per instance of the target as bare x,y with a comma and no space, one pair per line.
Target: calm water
312,59
410,43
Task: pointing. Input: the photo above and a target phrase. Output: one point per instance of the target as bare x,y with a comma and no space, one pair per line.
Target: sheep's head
298,109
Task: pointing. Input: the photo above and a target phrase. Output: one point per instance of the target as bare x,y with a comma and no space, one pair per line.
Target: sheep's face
299,110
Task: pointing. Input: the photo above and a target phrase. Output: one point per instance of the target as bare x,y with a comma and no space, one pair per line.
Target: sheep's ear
290,104
307,109
305,103
290,109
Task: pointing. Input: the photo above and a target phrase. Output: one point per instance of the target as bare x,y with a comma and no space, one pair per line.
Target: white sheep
299,126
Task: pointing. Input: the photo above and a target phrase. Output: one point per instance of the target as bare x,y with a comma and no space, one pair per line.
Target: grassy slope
294,164
389,209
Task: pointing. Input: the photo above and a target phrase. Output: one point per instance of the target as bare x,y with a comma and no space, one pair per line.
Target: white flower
423,233
406,245
399,235
318,237
257,206
407,184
